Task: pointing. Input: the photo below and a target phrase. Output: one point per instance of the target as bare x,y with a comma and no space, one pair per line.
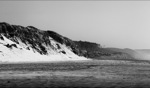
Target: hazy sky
123,24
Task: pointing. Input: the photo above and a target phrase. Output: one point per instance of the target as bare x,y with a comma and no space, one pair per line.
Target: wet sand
95,73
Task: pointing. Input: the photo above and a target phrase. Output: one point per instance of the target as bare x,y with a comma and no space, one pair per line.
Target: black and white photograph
74,43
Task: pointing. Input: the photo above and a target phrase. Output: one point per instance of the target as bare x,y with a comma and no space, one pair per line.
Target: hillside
18,43
145,53
29,42
132,53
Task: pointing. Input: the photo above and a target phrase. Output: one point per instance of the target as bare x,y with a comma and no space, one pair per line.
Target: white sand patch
21,54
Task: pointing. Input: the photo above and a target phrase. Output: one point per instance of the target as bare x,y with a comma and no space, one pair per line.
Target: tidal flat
89,74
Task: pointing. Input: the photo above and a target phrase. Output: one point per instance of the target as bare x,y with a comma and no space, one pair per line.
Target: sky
120,24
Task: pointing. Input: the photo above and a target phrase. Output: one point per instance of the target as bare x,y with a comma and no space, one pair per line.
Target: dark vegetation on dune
37,39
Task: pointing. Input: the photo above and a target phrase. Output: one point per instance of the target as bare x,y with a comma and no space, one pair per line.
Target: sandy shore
96,73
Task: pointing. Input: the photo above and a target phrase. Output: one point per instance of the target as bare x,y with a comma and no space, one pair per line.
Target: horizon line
74,0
